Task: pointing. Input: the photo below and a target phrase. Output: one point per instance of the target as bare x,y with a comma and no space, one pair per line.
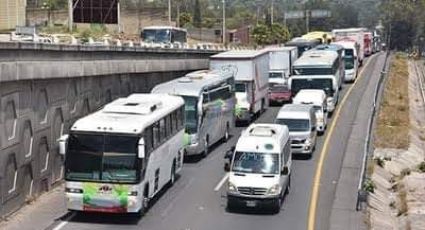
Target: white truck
354,34
251,69
259,167
281,60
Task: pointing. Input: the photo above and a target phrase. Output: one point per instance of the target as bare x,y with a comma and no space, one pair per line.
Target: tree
185,18
197,19
274,34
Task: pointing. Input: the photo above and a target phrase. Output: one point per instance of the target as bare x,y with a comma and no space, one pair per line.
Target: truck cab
259,167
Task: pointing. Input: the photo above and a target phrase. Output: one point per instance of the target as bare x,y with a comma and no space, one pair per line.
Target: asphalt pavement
197,201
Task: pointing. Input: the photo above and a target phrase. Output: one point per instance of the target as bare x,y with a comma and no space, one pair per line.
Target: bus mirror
62,142
285,170
141,149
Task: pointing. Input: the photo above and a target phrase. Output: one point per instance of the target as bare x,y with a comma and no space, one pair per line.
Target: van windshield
295,125
253,162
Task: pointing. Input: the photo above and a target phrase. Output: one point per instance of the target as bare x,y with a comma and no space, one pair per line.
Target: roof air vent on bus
185,80
262,131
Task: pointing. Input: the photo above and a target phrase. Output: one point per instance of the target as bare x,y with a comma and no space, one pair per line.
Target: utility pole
307,20
169,12
272,12
70,16
224,22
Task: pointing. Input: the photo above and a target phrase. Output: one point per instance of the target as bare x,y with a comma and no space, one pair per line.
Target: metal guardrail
361,193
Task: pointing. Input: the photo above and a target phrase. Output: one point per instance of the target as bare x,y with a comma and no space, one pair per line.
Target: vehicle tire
230,206
277,205
289,185
226,133
206,149
263,106
173,174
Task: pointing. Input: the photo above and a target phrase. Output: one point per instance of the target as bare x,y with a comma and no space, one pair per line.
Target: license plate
251,203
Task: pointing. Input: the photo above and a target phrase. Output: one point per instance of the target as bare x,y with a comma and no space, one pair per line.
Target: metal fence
367,150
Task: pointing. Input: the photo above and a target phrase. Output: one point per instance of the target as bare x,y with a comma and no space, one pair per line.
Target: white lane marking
64,222
223,180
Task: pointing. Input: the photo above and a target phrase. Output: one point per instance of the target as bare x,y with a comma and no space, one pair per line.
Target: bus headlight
231,187
274,190
73,190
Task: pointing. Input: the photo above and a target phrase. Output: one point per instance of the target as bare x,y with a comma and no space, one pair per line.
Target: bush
369,186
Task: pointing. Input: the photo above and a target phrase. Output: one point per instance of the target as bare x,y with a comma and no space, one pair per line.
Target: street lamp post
224,22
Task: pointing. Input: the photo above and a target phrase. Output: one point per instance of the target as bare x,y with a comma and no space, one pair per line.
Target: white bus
318,70
209,104
121,156
351,49
164,34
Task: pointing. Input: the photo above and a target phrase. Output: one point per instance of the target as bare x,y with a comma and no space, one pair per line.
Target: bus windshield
313,71
295,125
313,83
253,162
157,36
191,109
102,158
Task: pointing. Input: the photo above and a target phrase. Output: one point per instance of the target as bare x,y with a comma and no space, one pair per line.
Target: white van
301,122
316,98
260,167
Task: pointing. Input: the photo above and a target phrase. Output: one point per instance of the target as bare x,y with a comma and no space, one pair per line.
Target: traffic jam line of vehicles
118,158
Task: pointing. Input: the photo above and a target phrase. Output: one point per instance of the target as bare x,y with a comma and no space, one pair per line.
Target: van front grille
252,191
298,141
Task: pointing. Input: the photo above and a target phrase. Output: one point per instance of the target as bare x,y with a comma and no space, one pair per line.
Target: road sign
320,13
295,14
95,11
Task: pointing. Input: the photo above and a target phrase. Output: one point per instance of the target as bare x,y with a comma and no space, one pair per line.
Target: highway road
197,200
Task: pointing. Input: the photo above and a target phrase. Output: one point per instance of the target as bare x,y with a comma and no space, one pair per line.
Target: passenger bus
121,156
323,37
209,107
351,62
318,70
303,44
164,34
340,50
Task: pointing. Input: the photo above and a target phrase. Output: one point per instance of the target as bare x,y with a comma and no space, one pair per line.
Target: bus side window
168,126
175,121
162,130
148,140
180,117
156,135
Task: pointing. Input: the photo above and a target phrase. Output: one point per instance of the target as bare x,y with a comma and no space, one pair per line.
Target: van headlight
274,190
231,187
308,142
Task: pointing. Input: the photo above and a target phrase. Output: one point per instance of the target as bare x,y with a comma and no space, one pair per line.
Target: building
12,14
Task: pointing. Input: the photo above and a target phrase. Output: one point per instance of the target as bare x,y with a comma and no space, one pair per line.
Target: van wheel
263,107
277,204
206,144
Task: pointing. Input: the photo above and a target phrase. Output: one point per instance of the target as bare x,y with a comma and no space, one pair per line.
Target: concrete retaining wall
43,94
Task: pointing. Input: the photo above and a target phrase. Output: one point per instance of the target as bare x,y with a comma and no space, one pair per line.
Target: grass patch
393,123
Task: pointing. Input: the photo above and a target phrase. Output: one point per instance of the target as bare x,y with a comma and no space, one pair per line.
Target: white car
316,98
